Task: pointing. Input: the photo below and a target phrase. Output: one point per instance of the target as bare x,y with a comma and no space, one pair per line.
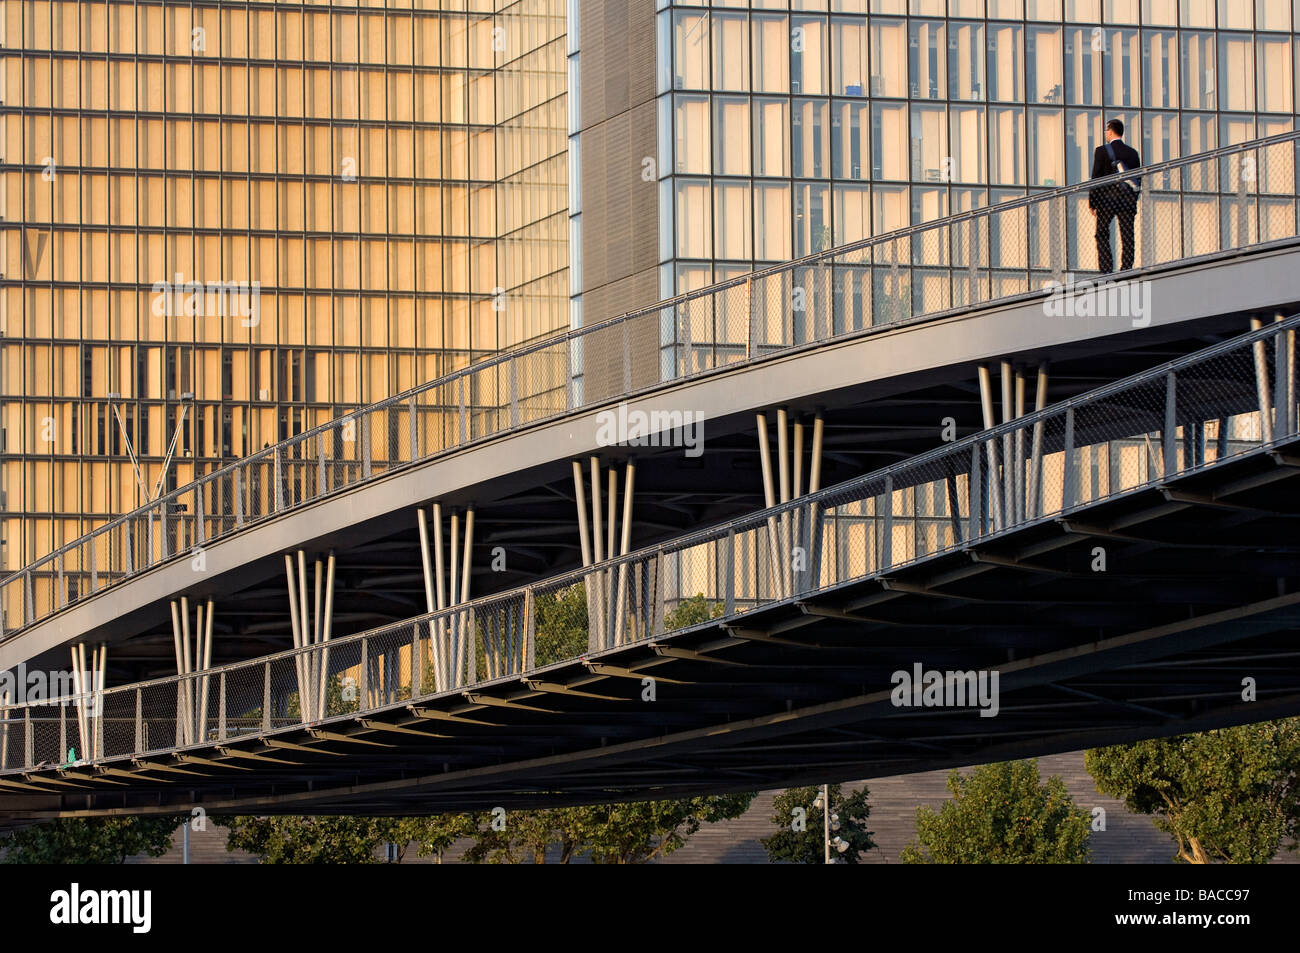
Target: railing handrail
565,336
958,447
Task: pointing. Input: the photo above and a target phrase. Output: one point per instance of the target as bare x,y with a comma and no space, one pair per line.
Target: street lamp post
830,822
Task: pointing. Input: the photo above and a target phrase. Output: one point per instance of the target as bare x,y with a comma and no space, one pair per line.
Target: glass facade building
786,128
403,186
224,223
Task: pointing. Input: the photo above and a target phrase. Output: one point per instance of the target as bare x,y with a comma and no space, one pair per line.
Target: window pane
1046,147
1082,136
889,141
692,141
1160,12
691,50
888,58
1160,69
730,51
852,213
1236,72
848,57
850,124
1120,11
1159,137
928,205
810,137
771,53
890,209
929,143
1006,62
1123,63
1043,57
731,225
1197,72
772,217
694,223
1236,15
1197,13
966,61
1273,61
967,125
1272,15
926,60
1007,145
1083,66
808,55
812,226
731,133
771,142
1235,129
1198,134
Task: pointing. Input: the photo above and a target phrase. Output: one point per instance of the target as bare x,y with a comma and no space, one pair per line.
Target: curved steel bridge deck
1123,561
884,337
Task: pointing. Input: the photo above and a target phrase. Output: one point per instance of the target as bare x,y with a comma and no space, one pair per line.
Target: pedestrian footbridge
1117,565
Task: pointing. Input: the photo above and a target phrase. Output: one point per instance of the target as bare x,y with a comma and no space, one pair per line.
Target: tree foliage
808,846
561,624
631,833
692,611
1002,814
1230,795
341,840
76,840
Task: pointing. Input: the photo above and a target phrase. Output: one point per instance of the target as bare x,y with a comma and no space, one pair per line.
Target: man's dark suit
1117,200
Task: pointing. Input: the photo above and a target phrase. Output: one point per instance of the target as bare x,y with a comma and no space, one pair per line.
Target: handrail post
239,495
221,707
266,697
729,575
460,403
365,446
530,629
200,508
415,431
887,533
1068,470
1171,425
365,676
279,483
1243,232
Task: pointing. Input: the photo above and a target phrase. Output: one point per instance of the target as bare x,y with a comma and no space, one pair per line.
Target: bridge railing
1220,202
1184,416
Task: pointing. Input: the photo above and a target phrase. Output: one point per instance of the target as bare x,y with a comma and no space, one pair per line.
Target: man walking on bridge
1117,200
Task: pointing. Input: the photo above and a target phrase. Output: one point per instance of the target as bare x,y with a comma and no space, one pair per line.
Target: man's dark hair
1116,127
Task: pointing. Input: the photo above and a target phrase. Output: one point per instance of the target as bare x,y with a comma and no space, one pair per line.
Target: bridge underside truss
1196,591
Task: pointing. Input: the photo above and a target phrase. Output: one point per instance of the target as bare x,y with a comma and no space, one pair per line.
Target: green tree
561,624
341,840
808,846
692,611
1229,795
75,840
527,836
631,833
639,831
1002,814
